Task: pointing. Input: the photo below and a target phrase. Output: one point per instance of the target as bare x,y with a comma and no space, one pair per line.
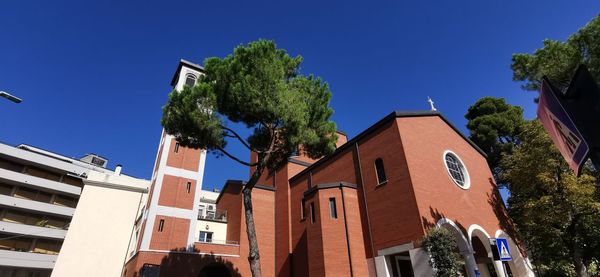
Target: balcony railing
214,215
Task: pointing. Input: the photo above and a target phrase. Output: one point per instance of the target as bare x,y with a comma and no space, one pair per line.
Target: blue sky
94,75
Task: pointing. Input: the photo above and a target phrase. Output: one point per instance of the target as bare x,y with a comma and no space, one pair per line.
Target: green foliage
557,214
559,60
441,246
495,127
258,85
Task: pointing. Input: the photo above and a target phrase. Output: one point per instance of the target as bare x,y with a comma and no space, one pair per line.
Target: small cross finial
431,103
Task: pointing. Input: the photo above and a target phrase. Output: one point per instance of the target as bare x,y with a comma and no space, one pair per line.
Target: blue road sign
503,250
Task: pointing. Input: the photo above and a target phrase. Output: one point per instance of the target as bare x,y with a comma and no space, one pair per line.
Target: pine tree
259,86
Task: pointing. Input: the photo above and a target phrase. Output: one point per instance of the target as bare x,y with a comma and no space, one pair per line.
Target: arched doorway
480,242
215,270
464,247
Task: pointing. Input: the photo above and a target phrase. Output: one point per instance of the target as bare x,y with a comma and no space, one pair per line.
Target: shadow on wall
501,212
437,215
180,263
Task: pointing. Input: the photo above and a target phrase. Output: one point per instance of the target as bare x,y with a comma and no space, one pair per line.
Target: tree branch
235,158
236,136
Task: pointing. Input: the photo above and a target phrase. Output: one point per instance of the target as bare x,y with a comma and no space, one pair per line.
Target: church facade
361,211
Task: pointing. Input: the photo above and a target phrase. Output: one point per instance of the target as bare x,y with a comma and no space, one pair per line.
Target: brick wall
174,192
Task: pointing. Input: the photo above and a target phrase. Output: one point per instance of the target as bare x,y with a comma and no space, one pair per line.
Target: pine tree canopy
494,126
258,85
559,60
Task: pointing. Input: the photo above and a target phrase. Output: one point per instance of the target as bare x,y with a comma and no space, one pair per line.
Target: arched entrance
480,242
464,247
215,270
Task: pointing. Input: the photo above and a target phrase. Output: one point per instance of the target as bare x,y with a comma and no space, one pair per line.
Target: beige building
103,223
40,194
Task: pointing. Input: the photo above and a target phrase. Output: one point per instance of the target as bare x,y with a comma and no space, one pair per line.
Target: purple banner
561,129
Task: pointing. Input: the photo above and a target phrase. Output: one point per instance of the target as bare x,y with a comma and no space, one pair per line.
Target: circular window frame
467,183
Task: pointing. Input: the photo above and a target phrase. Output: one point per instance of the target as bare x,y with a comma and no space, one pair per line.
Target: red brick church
361,211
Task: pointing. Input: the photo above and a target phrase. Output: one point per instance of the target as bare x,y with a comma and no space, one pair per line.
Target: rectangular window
176,147
332,208
161,225
312,212
188,188
205,236
380,170
303,209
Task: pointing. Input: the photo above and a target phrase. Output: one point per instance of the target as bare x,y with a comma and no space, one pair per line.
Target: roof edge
313,189
379,124
187,63
241,183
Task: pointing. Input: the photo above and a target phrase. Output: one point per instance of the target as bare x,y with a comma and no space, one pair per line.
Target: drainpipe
362,185
346,227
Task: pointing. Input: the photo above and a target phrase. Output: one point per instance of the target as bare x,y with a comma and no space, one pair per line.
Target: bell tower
172,208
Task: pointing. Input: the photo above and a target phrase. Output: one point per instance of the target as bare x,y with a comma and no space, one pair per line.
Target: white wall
99,234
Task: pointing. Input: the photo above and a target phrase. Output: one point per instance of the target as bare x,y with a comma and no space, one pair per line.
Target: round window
457,170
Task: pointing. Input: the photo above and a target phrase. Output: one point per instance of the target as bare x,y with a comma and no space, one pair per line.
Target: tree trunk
253,255
580,267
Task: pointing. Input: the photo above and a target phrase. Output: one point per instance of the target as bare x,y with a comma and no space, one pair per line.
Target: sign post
563,131
501,252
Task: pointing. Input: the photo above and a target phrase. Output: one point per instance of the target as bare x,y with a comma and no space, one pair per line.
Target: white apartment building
212,223
40,193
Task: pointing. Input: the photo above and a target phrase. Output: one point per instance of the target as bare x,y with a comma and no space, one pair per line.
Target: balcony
36,206
31,230
11,177
26,259
214,215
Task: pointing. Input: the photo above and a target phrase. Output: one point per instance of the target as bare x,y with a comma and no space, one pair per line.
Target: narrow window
381,178
188,188
332,208
303,209
312,212
176,147
161,225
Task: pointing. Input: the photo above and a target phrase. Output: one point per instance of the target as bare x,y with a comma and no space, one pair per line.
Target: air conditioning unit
94,160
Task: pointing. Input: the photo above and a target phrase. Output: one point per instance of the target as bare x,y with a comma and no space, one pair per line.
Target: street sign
561,128
503,250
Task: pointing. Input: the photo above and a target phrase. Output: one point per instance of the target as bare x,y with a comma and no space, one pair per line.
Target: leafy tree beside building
441,246
557,214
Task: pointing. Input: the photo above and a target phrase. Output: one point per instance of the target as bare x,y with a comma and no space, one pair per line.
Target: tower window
190,80
381,178
188,188
176,150
332,208
161,225
312,212
303,209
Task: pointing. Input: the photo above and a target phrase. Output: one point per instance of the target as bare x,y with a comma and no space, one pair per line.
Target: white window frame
205,238
465,172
